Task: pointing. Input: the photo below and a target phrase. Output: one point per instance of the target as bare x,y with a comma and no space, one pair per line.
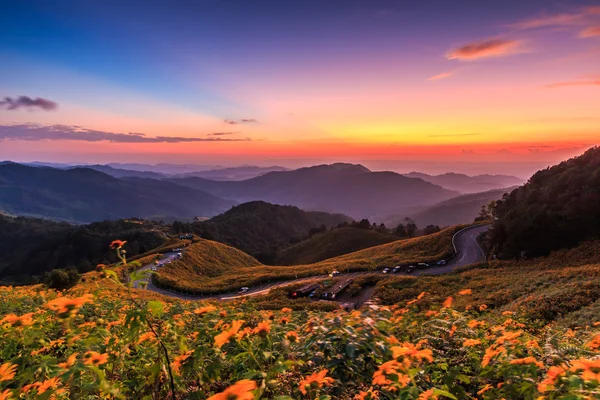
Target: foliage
61,278
557,208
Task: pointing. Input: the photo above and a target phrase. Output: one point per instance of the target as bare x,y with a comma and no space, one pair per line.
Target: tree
429,229
411,227
400,231
61,279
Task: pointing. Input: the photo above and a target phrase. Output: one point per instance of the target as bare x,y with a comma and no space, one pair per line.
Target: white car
386,270
153,268
334,273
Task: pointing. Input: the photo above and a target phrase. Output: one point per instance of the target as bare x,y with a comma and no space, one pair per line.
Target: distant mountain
469,184
262,229
123,173
234,173
458,210
86,195
164,168
331,243
345,188
557,208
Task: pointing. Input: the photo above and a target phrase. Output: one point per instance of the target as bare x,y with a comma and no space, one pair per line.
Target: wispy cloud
240,121
222,133
438,77
577,17
590,32
485,49
28,102
35,132
584,82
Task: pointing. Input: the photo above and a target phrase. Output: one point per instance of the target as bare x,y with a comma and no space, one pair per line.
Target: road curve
464,241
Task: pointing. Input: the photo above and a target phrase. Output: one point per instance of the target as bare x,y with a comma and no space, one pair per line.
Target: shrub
61,279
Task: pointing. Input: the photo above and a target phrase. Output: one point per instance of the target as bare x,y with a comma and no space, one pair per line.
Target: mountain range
469,184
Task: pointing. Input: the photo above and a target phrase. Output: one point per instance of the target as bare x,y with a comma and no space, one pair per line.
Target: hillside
123,173
330,244
342,188
233,173
458,210
262,229
469,184
556,208
30,247
230,277
85,195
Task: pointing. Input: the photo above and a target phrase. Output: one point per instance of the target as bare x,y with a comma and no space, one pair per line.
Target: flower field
115,344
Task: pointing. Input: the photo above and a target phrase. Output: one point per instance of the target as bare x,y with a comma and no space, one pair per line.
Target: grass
330,244
209,267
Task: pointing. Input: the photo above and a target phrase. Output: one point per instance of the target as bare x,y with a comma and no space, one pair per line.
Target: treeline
408,229
559,207
30,247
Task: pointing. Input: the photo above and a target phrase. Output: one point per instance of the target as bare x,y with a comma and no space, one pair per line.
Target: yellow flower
7,371
241,390
95,358
315,381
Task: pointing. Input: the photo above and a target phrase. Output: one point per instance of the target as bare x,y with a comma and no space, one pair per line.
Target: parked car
386,270
169,261
313,294
334,273
153,268
160,265
243,290
422,265
441,262
396,269
410,269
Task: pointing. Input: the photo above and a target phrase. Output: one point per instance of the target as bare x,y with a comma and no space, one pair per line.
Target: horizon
473,88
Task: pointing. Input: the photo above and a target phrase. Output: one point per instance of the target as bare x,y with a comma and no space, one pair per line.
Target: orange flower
51,383
241,390
6,395
286,310
590,368
421,295
204,310
7,371
16,321
117,243
392,367
408,303
292,336
179,360
594,344
471,342
507,313
553,374
510,337
465,292
264,326
70,361
412,352
428,395
315,381
527,361
95,358
227,334
474,324
431,313
68,307
485,389
370,394
147,336
482,307
490,353
284,320
452,330
448,302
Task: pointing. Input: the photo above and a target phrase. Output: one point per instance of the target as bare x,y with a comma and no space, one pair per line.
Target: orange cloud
589,82
590,32
578,17
484,49
443,75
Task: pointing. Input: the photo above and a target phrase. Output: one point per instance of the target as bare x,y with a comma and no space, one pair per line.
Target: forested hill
557,208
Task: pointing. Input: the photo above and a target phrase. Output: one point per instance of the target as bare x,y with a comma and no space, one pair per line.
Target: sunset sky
471,86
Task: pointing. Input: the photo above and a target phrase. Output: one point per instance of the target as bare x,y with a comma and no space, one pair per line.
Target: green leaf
444,393
157,308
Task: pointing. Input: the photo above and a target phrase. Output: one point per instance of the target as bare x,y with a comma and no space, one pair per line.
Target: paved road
465,243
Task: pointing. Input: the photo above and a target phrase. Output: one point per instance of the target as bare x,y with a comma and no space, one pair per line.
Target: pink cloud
588,82
484,49
590,32
443,75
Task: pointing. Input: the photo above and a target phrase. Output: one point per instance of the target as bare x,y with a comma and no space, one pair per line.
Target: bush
62,278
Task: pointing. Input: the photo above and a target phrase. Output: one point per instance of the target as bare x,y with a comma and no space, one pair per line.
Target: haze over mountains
97,192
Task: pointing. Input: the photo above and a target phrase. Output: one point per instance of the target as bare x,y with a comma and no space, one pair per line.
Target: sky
432,85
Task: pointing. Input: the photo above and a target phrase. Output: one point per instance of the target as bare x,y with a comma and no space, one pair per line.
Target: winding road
464,241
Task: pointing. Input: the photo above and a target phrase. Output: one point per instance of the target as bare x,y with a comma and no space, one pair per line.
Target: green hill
330,244
557,208
262,229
